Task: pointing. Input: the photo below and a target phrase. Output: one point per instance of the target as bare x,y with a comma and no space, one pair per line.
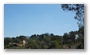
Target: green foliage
16,40
7,40
78,9
51,41
22,38
47,41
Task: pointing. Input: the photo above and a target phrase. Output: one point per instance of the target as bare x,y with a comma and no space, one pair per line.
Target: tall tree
79,10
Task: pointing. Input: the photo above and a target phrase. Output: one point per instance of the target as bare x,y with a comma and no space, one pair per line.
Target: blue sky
28,19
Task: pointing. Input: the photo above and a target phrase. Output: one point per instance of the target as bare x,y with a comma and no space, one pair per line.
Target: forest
70,40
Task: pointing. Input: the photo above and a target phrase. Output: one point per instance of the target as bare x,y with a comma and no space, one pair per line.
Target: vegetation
47,41
71,40
78,9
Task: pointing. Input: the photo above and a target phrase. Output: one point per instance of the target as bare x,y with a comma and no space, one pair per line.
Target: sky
29,19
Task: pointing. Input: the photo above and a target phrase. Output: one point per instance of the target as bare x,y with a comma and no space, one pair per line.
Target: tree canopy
79,11
70,40
47,41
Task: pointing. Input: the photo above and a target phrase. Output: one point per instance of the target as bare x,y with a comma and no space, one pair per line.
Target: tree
55,45
81,30
16,40
72,36
41,37
7,40
51,34
66,38
22,38
79,9
47,40
33,44
34,36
